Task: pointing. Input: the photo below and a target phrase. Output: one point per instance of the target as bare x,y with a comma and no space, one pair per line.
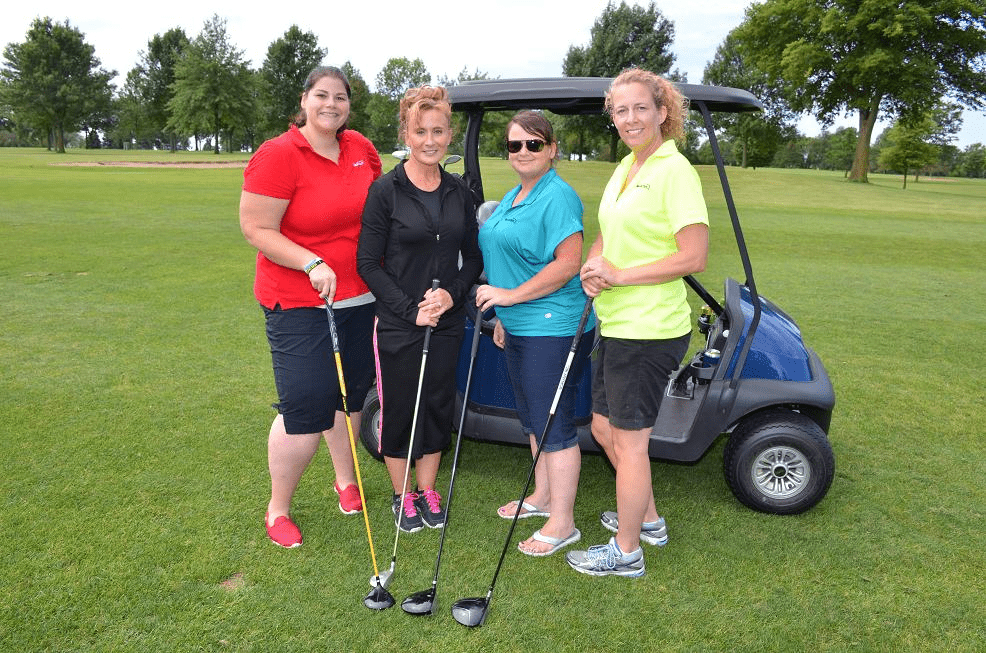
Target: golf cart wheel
369,427
779,462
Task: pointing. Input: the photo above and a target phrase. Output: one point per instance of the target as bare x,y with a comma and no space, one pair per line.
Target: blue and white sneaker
654,533
607,560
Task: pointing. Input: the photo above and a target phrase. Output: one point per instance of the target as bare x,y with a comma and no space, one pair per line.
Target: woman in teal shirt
532,250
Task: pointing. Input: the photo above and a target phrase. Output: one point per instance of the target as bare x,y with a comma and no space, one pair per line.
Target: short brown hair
533,122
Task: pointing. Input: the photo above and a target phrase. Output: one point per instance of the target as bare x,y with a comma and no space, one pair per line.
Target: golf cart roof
578,95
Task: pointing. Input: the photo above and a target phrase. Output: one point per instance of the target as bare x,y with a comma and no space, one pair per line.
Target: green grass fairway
136,391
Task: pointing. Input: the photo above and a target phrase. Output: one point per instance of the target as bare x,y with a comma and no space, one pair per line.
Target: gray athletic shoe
406,516
607,560
654,533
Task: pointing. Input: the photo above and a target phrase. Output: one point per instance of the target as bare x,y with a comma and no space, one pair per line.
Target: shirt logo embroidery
358,163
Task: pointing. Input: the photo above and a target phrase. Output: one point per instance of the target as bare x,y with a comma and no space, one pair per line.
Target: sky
508,38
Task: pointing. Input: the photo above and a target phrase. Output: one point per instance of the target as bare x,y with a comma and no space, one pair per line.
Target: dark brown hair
312,79
534,122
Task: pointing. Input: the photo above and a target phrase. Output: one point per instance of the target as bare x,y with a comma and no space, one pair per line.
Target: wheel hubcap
781,472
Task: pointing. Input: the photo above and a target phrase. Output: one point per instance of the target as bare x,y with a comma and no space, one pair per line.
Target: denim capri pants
535,364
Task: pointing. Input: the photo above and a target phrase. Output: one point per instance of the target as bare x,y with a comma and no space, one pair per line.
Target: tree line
915,65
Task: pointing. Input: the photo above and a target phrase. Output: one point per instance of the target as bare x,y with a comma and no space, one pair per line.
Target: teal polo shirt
518,241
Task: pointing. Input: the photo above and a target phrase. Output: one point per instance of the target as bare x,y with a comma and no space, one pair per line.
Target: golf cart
752,377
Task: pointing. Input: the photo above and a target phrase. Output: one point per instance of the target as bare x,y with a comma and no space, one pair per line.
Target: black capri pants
399,354
304,363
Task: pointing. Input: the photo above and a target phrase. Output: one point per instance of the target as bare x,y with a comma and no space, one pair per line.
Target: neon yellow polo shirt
638,227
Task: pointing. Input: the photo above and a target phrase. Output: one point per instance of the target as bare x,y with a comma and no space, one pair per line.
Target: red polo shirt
326,205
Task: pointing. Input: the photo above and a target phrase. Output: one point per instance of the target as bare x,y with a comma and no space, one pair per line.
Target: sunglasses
533,145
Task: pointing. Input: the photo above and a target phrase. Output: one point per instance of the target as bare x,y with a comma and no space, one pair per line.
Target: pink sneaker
283,532
349,502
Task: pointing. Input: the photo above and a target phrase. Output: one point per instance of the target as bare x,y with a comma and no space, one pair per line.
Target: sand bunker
159,164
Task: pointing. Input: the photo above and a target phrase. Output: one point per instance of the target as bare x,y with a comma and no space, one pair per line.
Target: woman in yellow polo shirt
653,230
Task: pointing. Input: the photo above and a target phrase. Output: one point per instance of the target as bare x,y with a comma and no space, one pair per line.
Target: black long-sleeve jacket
401,249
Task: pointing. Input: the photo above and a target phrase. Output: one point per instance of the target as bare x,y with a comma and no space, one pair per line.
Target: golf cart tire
369,425
779,462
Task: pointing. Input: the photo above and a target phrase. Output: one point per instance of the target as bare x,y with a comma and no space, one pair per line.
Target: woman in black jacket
417,222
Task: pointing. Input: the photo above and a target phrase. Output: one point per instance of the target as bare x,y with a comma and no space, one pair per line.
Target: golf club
423,602
471,612
378,598
386,577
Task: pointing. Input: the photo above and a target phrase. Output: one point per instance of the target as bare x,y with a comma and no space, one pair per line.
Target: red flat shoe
349,502
284,532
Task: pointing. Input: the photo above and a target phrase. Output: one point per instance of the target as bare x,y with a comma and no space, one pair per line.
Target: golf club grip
338,355
434,286
332,327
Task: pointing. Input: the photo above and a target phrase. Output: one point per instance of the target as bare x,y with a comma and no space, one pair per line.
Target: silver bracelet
314,263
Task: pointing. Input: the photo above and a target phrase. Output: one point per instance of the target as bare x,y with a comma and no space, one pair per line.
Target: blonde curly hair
418,100
665,94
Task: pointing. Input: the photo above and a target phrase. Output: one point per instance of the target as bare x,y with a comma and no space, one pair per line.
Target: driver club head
383,579
378,599
420,603
470,612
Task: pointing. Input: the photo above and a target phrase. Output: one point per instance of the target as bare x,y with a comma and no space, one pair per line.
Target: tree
906,146
398,75
839,149
757,135
132,122
622,37
157,70
214,88
289,60
359,117
494,123
54,80
868,57
973,161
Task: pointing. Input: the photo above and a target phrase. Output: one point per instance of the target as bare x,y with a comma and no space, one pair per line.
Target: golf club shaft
414,428
349,426
477,331
544,433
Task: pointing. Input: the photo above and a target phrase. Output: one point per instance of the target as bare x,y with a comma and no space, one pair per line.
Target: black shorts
630,376
304,363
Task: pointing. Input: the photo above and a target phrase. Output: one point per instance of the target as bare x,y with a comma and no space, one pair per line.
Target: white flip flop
555,542
529,511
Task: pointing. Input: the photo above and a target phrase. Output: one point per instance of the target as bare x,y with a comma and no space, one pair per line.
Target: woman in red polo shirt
303,195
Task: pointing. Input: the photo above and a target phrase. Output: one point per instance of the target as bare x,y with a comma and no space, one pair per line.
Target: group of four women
329,229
